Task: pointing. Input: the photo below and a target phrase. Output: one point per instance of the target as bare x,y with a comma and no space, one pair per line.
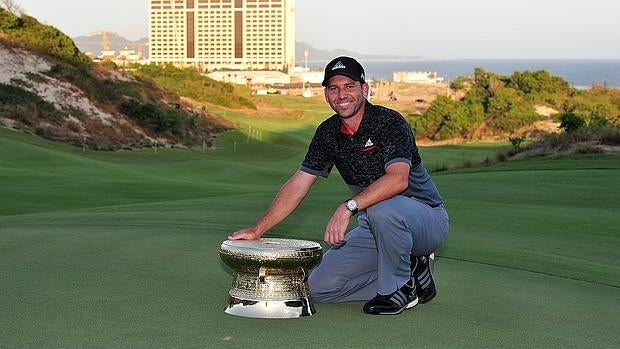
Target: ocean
580,73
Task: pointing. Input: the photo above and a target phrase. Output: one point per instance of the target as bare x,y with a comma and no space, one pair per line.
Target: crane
105,40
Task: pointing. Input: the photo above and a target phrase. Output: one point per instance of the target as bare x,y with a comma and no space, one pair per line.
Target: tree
503,100
443,120
8,20
12,6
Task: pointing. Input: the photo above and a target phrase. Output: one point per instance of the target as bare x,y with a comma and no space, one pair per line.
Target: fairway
120,250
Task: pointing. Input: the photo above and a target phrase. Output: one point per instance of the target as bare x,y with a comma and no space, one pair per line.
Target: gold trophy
270,276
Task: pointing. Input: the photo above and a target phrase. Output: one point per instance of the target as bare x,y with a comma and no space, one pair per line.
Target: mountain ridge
94,43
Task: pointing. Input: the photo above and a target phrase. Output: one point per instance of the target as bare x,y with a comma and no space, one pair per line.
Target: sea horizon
579,73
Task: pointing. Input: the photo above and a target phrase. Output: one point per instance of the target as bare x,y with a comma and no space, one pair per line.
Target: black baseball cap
346,66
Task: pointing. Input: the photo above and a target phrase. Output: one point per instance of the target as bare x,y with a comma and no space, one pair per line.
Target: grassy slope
120,249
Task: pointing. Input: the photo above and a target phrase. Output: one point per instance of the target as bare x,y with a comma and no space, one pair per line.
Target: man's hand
337,226
244,234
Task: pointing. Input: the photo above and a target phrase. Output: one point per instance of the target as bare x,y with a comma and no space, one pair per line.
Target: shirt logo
369,146
339,65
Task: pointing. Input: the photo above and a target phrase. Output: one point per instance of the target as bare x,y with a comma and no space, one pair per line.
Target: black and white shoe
422,275
394,303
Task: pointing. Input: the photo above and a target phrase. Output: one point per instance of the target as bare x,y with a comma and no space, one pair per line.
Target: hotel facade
223,34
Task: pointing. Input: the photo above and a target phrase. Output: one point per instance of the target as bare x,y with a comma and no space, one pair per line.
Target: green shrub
25,106
516,142
154,117
15,95
610,136
192,84
570,122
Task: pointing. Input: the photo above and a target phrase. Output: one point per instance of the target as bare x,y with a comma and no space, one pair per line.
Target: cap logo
339,65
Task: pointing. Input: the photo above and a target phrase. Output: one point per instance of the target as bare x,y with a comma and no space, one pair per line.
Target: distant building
223,34
123,58
417,77
306,75
251,77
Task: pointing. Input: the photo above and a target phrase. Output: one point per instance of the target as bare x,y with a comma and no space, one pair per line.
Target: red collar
345,130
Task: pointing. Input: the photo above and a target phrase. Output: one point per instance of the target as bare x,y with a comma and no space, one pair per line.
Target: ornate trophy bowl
270,277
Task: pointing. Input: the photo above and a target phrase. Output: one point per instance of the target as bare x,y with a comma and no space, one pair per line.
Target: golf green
106,250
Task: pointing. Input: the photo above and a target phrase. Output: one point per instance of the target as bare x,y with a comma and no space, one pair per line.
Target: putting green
121,249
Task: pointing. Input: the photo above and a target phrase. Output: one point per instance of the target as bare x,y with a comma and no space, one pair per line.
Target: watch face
351,205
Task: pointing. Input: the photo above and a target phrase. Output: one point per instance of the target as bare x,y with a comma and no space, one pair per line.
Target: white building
306,75
251,77
223,34
417,77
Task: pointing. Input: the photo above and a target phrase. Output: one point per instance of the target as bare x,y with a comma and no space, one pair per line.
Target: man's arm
291,194
393,182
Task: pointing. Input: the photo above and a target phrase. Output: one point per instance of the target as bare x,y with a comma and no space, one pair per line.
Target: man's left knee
383,211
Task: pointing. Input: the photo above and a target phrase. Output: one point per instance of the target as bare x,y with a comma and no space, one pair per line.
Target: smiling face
346,96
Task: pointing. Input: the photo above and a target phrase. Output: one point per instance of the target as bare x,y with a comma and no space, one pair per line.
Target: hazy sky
431,29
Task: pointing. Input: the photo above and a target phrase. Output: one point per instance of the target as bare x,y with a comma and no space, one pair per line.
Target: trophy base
270,309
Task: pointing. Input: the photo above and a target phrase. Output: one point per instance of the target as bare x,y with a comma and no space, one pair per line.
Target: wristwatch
351,206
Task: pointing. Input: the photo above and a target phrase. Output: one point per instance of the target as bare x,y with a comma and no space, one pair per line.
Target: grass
121,249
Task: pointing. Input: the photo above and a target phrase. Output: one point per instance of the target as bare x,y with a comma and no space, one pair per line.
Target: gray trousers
376,255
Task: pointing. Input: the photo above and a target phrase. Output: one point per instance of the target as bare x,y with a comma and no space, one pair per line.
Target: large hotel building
223,34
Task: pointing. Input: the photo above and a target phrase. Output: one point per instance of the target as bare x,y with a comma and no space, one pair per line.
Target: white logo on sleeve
369,143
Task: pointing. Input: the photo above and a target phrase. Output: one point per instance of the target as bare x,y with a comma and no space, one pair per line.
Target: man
400,214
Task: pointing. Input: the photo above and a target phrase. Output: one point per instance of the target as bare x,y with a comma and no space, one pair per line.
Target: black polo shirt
383,138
